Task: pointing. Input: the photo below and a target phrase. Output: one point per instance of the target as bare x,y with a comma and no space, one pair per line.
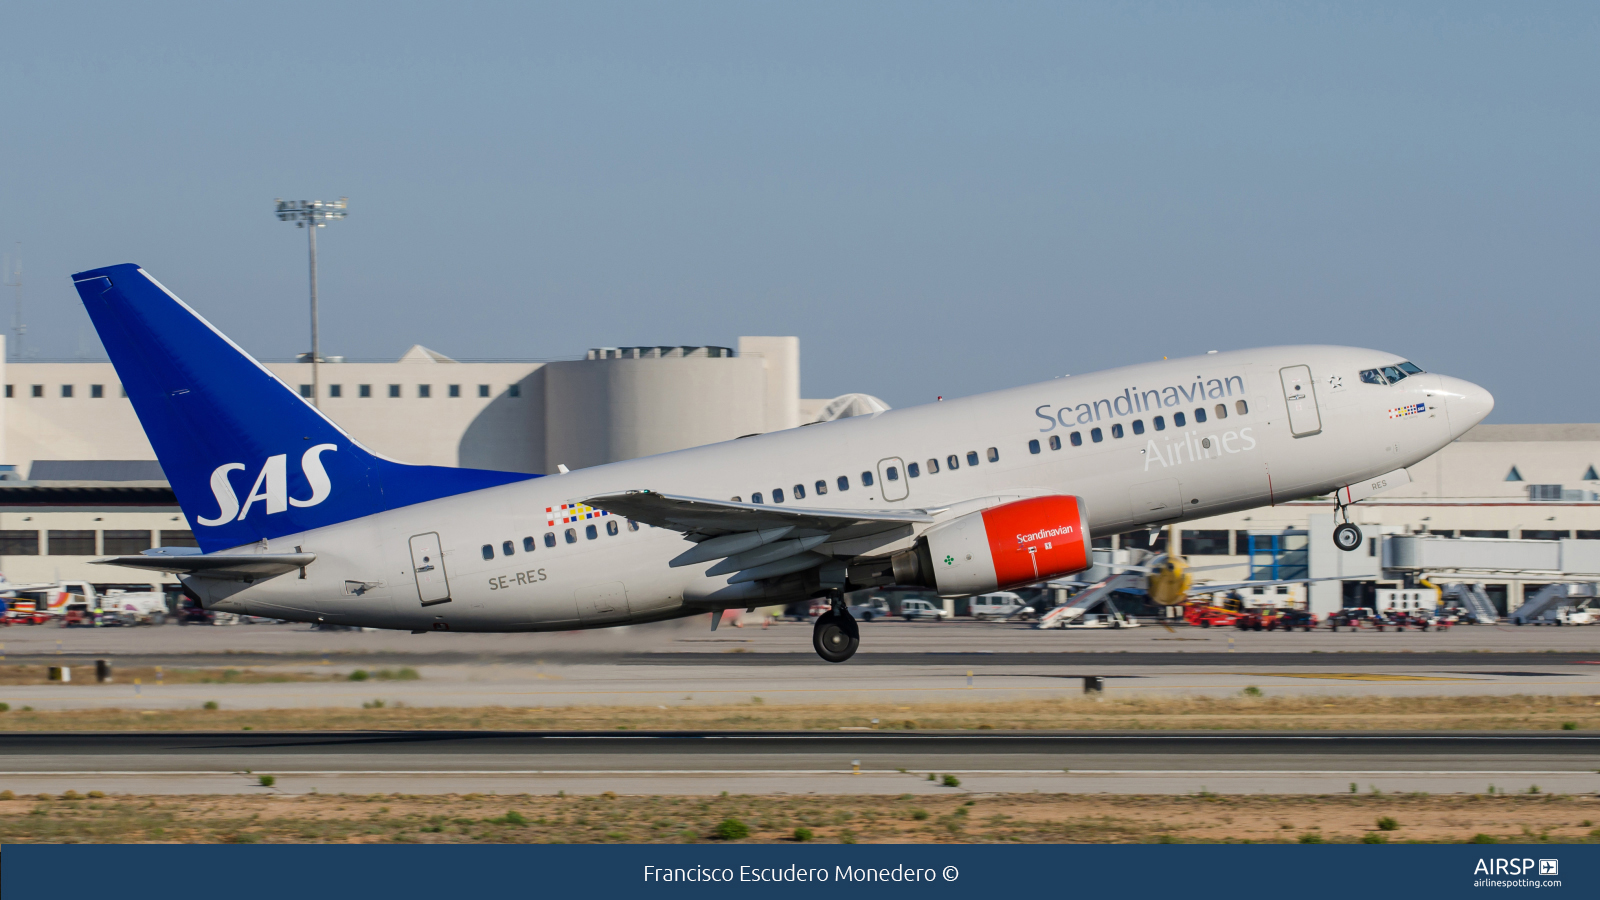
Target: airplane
296,520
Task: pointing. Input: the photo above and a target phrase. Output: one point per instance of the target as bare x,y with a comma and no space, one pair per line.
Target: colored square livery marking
1402,411
571,512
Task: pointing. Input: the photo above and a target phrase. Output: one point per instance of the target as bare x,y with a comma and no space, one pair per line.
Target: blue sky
938,198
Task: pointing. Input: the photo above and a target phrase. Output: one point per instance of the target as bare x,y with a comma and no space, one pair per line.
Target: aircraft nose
1466,404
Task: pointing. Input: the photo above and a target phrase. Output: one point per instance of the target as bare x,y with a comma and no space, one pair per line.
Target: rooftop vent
661,353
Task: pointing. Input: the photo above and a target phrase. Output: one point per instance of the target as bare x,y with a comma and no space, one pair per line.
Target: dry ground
1523,713
957,818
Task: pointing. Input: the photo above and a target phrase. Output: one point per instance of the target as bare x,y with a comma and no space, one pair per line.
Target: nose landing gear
836,636
1346,537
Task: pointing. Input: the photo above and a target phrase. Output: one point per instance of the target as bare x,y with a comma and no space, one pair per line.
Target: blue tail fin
247,457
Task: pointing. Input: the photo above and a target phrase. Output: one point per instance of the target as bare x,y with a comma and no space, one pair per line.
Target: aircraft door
427,563
1300,397
892,479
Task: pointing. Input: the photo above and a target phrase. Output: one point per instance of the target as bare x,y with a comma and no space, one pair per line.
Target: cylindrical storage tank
607,410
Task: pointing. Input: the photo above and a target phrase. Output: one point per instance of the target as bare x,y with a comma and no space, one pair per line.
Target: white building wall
781,359
607,410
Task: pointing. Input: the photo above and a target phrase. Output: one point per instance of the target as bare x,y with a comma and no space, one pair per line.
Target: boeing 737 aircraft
297,520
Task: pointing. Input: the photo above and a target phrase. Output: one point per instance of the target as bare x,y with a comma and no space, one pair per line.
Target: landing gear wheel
1347,537
835,637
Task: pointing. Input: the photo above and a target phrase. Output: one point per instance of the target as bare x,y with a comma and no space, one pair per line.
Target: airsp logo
271,487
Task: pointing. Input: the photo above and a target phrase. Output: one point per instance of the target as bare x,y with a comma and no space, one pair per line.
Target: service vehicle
871,608
999,605
921,610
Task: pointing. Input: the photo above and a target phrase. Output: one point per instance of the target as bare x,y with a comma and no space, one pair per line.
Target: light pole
311,215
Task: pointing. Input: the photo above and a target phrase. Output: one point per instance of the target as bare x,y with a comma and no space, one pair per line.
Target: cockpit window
1371,376
1393,374
1410,368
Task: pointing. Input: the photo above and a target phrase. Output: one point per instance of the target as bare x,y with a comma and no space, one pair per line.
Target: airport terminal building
80,479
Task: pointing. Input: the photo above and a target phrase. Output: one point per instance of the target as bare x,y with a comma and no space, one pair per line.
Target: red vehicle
1259,620
1205,616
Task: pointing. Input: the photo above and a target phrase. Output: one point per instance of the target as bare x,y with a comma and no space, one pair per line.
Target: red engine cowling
1005,546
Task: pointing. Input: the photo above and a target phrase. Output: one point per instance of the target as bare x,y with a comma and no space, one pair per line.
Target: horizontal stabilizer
246,566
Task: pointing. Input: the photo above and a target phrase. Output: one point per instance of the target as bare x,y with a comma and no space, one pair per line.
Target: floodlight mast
311,215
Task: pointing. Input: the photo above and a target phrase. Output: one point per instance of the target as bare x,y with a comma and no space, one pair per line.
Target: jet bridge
1461,566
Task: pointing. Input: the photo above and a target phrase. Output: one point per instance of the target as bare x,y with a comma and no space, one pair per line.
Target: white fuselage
1348,431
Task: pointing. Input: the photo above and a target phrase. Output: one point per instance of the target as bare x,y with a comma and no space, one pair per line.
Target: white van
999,605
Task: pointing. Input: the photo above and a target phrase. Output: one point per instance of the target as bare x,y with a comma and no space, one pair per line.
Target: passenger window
1393,374
736,498
756,498
611,528
572,535
1241,407
913,470
1199,416
1116,430
1178,420
952,462
507,548
528,543
972,457
549,538
799,492
821,486
866,479
892,473
1160,423
1055,442
1077,439
1095,435
632,525
1033,446
844,482
1138,426
777,495
994,454
1410,368
1222,410
933,467
488,551
591,532
1371,376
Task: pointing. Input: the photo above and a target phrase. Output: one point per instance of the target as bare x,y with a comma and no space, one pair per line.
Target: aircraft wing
236,566
698,516
753,540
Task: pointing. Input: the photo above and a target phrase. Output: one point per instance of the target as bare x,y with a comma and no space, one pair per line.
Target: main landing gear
1346,537
836,636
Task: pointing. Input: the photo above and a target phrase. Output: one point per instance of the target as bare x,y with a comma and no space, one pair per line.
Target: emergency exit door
1300,398
892,479
427,563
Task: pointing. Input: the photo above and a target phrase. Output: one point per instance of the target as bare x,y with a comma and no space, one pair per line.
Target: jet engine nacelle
1005,546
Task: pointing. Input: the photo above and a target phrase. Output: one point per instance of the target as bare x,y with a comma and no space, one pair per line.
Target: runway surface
679,663
738,762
